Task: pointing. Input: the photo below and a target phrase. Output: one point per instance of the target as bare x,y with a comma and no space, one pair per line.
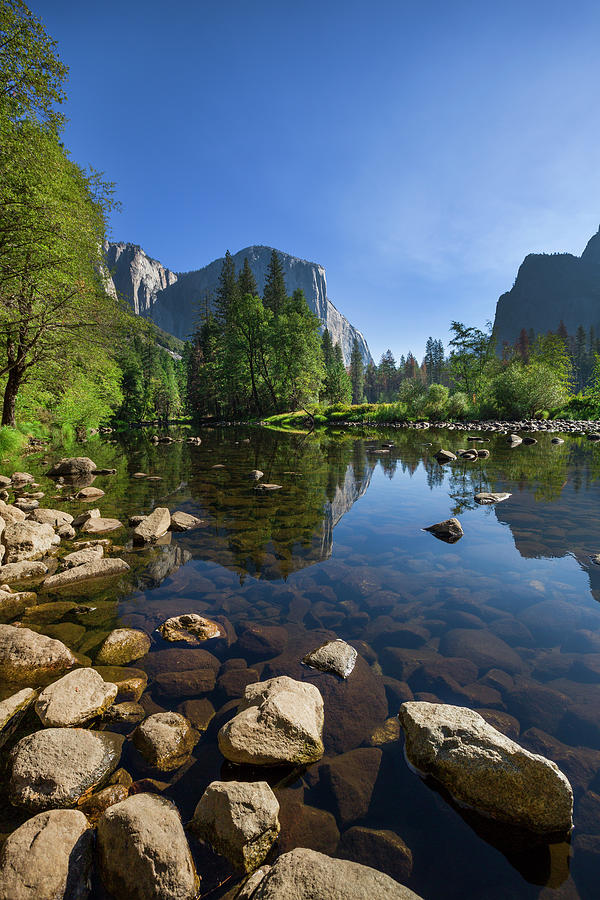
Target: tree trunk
11,390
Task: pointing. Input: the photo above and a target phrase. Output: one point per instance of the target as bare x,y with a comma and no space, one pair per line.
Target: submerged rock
239,820
190,628
27,657
305,873
280,722
122,646
334,656
48,857
182,521
485,497
12,711
14,604
55,767
486,770
450,530
153,526
165,740
384,850
143,851
75,698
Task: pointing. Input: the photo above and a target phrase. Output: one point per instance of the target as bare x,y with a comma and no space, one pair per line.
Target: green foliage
275,293
357,373
472,357
523,390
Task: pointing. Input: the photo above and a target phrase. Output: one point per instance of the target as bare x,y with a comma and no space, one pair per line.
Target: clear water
340,550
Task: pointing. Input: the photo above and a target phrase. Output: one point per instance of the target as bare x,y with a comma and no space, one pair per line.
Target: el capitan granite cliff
551,288
173,300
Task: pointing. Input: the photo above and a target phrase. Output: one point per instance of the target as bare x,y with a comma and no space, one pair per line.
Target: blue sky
417,150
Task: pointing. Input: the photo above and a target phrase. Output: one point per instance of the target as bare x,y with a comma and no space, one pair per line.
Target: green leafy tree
471,357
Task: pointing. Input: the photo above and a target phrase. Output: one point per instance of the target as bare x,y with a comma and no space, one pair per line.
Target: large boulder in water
27,657
28,540
165,740
49,856
143,851
280,722
485,770
73,466
306,873
74,699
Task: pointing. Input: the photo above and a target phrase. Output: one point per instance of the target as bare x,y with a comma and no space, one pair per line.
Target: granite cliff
550,288
173,301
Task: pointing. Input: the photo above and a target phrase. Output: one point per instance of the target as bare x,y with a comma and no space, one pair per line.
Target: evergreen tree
357,373
275,294
371,382
387,377
227,291
246,280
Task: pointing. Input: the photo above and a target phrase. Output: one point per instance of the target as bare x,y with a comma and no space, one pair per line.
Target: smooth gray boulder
28,540
486,770
72,465
55,767
239,820
74,699
191,628
280,721
450,530
486,497
98,568
153,526
27,657
54,517
12,711
49,857
334,656
307,874
182,521
143,851
100,525
165,740
122,646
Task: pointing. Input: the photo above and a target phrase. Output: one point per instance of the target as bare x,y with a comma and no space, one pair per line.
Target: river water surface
340,551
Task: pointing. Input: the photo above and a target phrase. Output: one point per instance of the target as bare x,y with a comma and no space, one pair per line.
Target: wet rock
264,487
443,674
74,465
80,557
445,456
27,657
153,526
94,806
89,493
28,540
303,825
98,568
100,525
129,711
386,733
280,722
482,647
143,851
263,640
255,475
536,704
84,517
200,713
514,440
383,850
234,682
122,646
54,517
189,627
289,877
487,497
12,710
56,767
239,820
351,779
14,604
450,530
580,764
131,683
334,656
165,740
74,699
181,660
188,683
588,813
49,856
486,770
182,521
501,721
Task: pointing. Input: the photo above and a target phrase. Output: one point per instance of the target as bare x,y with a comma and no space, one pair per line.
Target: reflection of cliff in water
345,497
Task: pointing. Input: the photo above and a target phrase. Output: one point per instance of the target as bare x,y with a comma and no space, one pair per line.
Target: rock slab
75,698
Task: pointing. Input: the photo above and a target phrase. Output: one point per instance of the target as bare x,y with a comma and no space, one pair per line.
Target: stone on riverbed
153,526
143,851
450,530
79,557
14,604
12,711
55,767
98,568
255,475
55,517
264,488
122,646
131,683
100,525
72,465
306,873
485,497
89,493
23,571
74,699
165,740
485,770
182,521
189,627
27,657
239,820
28,540
445,456
334,656
49,856
280,722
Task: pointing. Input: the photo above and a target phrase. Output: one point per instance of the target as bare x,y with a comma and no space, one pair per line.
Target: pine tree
371,382
247,281
227,290
275,294
357,373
